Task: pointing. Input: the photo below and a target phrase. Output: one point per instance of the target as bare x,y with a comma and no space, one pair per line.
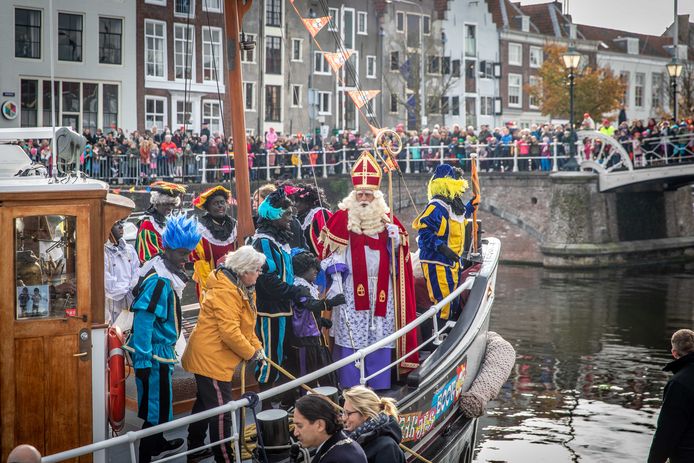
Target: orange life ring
116,379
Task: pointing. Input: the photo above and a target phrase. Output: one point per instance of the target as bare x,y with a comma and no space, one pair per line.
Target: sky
642,16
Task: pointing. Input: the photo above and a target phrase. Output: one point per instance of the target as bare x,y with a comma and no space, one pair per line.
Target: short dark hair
303,262
318,407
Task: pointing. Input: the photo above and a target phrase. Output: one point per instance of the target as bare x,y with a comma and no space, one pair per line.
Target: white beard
367,220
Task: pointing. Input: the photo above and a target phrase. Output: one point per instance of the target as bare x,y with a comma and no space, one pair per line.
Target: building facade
85,46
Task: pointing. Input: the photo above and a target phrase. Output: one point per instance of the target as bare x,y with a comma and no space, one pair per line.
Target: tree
596,90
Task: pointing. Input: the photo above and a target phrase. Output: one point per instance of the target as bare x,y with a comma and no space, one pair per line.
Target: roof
548,18
649,45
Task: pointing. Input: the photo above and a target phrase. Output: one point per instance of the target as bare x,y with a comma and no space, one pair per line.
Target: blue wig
181,232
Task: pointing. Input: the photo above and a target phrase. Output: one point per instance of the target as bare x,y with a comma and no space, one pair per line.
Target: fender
116,379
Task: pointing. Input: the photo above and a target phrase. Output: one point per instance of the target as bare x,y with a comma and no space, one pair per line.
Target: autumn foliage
596,90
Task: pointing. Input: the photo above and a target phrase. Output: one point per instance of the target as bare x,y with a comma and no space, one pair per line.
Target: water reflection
587,382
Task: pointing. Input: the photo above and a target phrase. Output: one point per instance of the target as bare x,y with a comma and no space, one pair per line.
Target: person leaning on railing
223,338
372,421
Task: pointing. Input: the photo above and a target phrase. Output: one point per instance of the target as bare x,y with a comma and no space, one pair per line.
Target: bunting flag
361,97
337,60
314,25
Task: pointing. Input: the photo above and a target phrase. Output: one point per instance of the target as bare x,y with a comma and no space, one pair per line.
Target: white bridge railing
130,438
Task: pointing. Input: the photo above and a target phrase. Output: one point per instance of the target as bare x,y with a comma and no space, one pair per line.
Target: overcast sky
644,16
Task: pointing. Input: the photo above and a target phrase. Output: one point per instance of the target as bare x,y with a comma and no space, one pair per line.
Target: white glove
394,233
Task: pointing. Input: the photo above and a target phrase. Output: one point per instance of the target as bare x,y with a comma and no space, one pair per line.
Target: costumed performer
121,266
358,242
164,198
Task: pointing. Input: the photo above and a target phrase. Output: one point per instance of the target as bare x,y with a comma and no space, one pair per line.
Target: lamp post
422,96
571,61
674,69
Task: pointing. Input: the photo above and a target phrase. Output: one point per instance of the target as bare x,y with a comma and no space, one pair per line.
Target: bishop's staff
474,177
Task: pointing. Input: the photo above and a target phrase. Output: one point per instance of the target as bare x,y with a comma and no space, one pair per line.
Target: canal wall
558,220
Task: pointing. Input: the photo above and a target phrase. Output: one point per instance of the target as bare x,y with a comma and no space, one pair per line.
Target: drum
274,426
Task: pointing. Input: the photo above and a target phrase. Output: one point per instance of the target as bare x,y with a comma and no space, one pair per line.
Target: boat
53,386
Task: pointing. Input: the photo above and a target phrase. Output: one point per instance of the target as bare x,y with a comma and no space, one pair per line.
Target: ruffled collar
177,278
223,232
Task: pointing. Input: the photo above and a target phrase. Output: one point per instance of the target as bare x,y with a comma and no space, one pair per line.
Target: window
434,65
455,105
184,114
46,238
273,55
156,2
486,69
90,106
324,99
485,107
371,67
29,103
393,103
639,84
47,99
514,90
433,105
413,34
183,51
334,23
533,101
297,54
471,111
70,103
110,108
456,68
273,103
444,105
320,64
249,95
394,60
426,25
212,115
400,21
155,112
27,33
470,76
535,56
155,44
212,54
515,54
470,40
625,77
184,8
361,22
273,13
348,28
445,65
296,96
656,90
69,37
214,6
110,40
248,56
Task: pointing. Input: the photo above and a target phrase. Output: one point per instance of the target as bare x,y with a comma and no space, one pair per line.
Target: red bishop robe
208,253
336,236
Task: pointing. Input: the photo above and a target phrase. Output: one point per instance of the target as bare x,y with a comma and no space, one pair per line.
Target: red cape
335,236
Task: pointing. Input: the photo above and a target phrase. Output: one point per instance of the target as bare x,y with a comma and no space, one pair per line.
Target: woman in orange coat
223,337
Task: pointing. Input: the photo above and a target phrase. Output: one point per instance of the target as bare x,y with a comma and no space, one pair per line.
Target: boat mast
234,11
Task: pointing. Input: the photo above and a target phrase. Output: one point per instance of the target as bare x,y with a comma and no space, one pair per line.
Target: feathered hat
208,194
447,181
366,173
162,192
181,232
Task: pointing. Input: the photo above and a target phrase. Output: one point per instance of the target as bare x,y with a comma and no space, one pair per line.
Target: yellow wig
447,187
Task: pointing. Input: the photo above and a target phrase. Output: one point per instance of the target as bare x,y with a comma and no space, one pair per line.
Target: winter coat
225,332
674,436
339,449
380,438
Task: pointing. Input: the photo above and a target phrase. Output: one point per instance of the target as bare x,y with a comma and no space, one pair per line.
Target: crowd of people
311,286
150,155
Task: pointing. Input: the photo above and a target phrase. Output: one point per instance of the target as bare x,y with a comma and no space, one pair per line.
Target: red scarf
360,276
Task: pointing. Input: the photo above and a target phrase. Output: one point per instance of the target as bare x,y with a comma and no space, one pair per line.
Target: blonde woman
372,421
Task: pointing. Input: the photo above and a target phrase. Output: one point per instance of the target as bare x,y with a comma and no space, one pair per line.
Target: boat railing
131,437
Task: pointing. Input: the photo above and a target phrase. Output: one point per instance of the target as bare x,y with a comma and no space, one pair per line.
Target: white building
90,44
473,45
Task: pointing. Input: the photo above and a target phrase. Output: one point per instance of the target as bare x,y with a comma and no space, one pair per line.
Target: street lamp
674,69
422,96
571,61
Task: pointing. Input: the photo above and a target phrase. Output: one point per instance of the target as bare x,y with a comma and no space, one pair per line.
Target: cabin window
45,266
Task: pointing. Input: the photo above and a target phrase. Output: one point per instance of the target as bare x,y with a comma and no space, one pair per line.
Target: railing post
345,167
204,168
515,158
555,147
298,165
441,154
267,165
325,163
407,159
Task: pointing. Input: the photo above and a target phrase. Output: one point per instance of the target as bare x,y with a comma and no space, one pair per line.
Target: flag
337,60
361,97
314,25
406,69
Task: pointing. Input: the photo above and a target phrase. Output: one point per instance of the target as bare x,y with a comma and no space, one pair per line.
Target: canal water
588,379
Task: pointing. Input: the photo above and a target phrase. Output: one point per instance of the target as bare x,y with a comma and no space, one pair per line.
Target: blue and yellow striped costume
438,225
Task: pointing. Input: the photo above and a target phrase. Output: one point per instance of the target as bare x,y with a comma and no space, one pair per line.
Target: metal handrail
132,436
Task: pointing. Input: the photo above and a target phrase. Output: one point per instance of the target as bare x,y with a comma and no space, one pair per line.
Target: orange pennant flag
361,97
337,60
314,25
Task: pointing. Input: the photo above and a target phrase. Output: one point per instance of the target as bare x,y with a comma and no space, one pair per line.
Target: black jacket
339,449
380,439
674,436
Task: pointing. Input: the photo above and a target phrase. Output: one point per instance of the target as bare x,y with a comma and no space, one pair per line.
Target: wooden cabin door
45,335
